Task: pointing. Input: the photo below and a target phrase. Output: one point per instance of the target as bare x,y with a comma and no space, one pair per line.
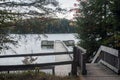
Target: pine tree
98,24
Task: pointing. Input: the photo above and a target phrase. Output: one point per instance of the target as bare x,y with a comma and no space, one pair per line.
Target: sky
67,4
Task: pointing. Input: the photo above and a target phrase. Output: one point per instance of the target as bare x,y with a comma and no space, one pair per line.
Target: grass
31,75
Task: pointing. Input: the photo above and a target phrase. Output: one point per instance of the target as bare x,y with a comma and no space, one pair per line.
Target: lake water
31,43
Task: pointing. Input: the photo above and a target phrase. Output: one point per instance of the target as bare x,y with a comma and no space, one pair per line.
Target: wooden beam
36,54
110,66
109,50
12,68
31,66
74,64
83,51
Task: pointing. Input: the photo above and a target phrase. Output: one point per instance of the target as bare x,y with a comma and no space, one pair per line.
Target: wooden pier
61,70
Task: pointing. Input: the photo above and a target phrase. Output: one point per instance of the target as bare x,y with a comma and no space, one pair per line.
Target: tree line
43,25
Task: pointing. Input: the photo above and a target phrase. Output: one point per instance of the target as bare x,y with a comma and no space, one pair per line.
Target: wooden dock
62,70
98,71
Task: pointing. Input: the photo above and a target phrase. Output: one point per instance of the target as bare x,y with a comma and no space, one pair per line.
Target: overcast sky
68,4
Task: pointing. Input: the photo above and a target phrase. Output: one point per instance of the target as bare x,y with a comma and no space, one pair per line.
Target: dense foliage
43,25
99,24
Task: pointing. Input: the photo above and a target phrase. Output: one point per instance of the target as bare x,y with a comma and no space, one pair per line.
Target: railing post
84,71
74,63
53,70
119,62
82,62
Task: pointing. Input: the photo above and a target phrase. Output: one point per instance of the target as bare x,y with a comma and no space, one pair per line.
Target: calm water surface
31,43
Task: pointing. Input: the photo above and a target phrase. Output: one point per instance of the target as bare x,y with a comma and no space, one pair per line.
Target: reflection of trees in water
29,60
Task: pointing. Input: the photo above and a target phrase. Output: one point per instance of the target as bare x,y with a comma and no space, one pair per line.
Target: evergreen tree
97,25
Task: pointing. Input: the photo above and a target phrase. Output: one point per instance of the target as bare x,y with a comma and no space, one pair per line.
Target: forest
43,25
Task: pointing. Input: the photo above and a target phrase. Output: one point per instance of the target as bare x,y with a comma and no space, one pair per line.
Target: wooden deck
61,70
98,71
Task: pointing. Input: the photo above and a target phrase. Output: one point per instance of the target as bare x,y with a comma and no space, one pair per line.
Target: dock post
84,71
53,70
118,62
74,63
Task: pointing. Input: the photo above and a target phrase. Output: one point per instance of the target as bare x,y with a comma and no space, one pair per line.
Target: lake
31,43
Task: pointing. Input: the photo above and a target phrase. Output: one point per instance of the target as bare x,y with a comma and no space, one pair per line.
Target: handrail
24,67
36,54
110,50
79,60
82,49
33,66
109,57
67,49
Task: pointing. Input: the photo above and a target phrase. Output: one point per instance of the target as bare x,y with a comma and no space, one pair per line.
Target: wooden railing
33,66
78,62
109,57
68,50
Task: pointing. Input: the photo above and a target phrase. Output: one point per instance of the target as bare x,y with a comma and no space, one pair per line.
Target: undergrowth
31,75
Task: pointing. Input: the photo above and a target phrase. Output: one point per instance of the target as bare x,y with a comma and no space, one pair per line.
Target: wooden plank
36,54
74,64
11,68
110,66
83,51
96,56
31,66
67,49
99,72
61,70
110,50
83,65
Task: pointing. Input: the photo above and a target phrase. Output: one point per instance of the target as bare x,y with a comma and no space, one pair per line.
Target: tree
12,10
5,24
29,26
97,24
43,25
114,39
